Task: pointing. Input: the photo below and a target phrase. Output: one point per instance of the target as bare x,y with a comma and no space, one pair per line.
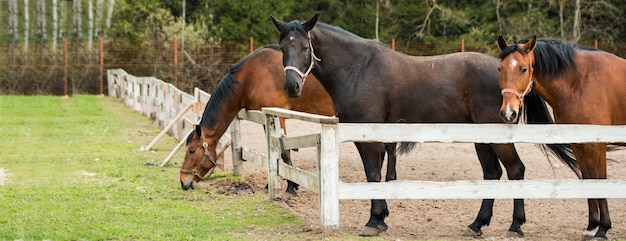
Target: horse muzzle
293,85
187,183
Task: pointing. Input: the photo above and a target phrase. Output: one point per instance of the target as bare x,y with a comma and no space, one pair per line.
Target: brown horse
583,86
252,83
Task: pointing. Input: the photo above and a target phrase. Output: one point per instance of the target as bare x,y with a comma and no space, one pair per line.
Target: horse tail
536,112
405,147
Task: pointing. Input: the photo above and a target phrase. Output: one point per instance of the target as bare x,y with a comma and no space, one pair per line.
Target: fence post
328,167
393,44
235,136
251,44
273,134
462,45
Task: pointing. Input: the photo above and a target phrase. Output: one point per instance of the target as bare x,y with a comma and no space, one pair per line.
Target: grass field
72,171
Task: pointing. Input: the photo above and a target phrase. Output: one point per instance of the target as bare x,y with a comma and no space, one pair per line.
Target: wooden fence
176,112
327,184
171,107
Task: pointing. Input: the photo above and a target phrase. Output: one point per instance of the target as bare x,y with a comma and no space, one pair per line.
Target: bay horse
371,83
254,82
583,86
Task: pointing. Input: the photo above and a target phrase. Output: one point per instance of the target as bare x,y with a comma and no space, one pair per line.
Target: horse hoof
368,231
513,234
471,233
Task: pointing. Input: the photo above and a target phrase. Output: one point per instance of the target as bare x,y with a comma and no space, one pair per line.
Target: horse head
516,76
298,55
200,158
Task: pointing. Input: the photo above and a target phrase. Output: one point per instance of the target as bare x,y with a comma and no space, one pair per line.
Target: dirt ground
547,219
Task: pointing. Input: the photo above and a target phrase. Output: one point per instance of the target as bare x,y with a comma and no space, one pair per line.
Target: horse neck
555,91
221,117
337,60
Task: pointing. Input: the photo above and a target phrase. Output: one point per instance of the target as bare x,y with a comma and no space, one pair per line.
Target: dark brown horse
254,82
369,82
583,86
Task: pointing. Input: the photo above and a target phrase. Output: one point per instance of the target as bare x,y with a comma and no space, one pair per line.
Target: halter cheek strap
308,71
196,170
528,87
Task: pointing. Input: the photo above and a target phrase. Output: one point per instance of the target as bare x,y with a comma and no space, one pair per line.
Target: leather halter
196,170
519,95
308,71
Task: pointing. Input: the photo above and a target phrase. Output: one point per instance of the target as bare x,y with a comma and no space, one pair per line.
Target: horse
371,83
583,85
254,82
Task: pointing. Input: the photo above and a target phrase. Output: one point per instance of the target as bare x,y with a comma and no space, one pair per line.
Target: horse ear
502,43
531,44
198,130
308,25
277,22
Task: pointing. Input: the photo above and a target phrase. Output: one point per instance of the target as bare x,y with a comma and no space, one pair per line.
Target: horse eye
192,151
524,70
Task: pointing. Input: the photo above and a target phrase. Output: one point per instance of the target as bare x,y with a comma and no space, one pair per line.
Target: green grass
75,171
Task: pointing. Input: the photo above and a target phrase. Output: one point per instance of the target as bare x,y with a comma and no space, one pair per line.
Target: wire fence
78,68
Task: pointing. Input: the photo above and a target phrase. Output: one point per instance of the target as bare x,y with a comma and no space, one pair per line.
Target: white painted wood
272,134
479,189
236,149
172,122
252,156
303,178
252,115
328,167
481,133
296,142
292,114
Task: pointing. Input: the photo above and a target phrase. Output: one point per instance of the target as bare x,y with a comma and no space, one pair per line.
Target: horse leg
491,171
370,155
592,161
291,186
515,171
286,156
390,149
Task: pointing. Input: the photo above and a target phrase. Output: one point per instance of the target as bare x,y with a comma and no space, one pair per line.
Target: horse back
264,80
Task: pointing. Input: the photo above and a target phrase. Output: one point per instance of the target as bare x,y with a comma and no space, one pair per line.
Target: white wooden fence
170,107
176,112
331,190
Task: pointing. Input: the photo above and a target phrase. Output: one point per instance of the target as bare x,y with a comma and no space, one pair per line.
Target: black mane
224,92
552,57
329,29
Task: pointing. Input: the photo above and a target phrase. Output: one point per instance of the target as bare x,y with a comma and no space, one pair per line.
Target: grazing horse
370,82
252,83
583,86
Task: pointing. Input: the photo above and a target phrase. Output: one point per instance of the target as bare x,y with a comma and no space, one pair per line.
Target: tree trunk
99,17
77,23
42,33
576,28
26,27
110,13
90,30
377,18
13,36
498,17
562,24
55,27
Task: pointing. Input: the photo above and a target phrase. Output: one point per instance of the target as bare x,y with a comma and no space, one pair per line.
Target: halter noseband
519,95
196,170
308,71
